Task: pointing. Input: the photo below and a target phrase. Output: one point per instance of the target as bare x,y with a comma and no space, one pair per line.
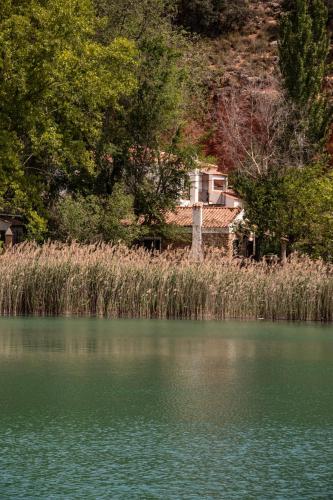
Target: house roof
232,194
12,220
213,217
211,169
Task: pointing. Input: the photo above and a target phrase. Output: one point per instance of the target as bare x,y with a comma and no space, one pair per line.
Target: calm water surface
165,410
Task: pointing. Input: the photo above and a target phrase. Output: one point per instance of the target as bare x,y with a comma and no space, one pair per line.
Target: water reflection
229,341
164,409
196,372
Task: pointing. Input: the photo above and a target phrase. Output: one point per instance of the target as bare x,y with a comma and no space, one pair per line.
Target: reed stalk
117,282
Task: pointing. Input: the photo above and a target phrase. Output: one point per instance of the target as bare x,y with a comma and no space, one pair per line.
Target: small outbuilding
12,229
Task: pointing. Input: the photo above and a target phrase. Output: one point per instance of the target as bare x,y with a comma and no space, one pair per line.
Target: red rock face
239,62
245,87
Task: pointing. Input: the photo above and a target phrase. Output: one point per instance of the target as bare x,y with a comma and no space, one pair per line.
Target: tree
93,218
148,123
304,48
134,19
256,130
156,163
211,17
55,80
287,198
296,206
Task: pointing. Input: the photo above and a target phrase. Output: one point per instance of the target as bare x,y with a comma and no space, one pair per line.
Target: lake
165,410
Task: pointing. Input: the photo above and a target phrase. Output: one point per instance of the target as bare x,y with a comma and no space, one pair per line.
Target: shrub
212,17
92,218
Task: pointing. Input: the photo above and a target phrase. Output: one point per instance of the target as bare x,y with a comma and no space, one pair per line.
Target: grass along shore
116,282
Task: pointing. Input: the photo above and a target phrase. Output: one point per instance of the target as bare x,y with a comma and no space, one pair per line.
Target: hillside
242,67
91,96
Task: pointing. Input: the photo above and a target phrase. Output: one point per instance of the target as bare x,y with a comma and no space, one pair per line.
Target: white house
212,211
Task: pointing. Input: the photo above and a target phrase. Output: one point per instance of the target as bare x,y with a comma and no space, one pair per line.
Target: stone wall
209,240
219,240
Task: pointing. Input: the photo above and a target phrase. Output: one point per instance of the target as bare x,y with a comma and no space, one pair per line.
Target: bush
93,218
212,17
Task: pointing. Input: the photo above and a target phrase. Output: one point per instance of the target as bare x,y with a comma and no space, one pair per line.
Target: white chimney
197,219
194,189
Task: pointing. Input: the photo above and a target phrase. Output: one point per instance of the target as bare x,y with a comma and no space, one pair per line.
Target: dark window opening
152,244
236,248
218,185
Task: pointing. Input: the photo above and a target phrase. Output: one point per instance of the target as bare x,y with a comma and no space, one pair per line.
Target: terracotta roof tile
213,217
13,220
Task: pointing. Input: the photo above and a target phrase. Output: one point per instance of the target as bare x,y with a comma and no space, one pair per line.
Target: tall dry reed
116,282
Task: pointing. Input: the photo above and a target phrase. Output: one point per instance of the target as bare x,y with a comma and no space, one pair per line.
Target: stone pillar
230,245
197,219
194,189
8,238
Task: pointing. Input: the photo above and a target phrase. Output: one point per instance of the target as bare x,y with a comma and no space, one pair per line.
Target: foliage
296,204
88,100
55,80
93,218
134,19
36,226
212,17
156,180
288,197
147,124
309,202
304,48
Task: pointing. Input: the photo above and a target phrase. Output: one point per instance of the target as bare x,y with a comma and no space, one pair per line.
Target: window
218,185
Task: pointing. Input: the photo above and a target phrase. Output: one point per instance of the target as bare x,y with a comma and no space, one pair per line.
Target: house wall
4,225
216,196
203,190
232,202
219,240
18,231
222,240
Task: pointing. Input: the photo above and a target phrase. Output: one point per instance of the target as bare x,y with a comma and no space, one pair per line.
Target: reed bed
117,282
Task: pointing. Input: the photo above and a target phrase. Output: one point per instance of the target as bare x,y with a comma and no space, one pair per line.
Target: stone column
194,188
8,238
197,220
230,245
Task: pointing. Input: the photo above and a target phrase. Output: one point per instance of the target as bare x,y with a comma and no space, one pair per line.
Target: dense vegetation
211,17
87,103
288,186
97,101
117,282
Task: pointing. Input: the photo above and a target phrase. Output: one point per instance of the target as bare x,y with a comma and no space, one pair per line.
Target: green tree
149,120
135,19
93,218
155,162
55,80
297,205
304,48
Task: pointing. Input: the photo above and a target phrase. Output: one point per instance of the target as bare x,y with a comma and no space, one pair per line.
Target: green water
165,410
